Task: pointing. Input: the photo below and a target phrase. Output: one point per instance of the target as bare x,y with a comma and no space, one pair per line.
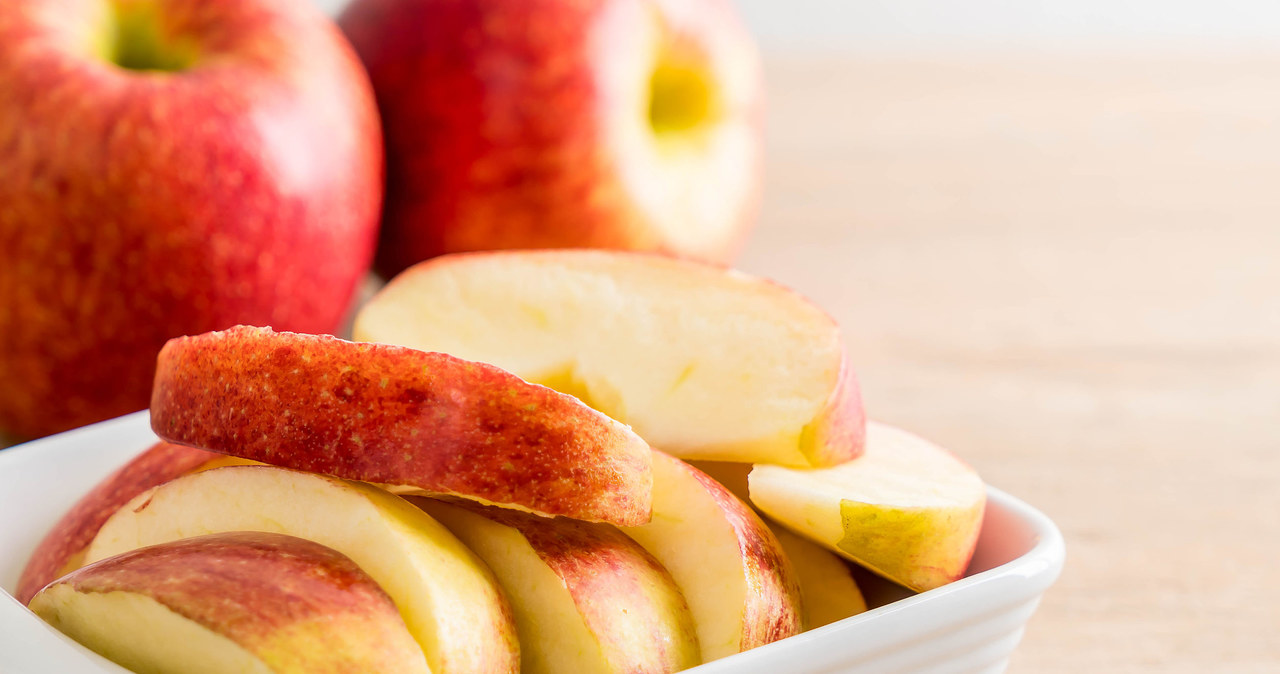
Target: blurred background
1051,230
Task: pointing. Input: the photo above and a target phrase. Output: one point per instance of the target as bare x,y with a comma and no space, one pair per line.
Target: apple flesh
738,581
392,415
906,509
170,168
62,549
549,124
448,598
656,343
586,598
828,590
232,602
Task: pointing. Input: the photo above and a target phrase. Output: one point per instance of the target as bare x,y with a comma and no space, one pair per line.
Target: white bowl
971,625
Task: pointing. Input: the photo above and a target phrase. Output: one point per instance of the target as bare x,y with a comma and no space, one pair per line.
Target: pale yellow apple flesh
739,584
906,509
702,362
447,597
827,588
233,602
585,597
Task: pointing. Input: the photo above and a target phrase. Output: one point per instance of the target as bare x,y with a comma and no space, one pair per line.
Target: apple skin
523,124
59,551
294,605
139,206
397,416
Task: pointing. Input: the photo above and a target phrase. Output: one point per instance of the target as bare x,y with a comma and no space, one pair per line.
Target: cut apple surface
447,597
586,598
703,362
906,509
62,549
233,602
398,416
827,588
738,582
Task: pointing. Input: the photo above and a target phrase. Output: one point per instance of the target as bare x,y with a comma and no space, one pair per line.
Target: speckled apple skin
773,609
495,125
159,464
605,573
399,416
277,596
139,206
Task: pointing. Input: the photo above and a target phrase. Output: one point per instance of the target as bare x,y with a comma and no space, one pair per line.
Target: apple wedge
704,362
232,602
906,509
397,416
739,584
62,549
828,591
586,598
448,598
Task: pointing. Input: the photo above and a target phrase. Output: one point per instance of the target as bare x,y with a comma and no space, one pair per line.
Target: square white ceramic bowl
971,625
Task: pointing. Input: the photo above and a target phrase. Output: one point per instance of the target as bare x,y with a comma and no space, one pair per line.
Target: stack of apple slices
477,486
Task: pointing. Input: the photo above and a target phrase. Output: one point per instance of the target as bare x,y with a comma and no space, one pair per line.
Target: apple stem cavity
681,97
138,41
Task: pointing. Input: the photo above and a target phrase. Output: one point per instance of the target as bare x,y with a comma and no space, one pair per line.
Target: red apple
169,168
628,124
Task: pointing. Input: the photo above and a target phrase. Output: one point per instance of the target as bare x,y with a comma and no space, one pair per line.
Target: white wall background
836,24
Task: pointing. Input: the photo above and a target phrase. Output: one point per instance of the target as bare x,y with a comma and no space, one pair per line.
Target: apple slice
739,584
397,416
827,588
232,602
448,598
586,598
62,549
704,362
906,509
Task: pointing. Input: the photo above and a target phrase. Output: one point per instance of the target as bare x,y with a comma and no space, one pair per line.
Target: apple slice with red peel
739,584
397,416
704,362
62,549
906,509
586,598
232,602
448,598
827,588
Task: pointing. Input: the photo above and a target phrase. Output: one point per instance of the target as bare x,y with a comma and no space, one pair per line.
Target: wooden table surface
1067,269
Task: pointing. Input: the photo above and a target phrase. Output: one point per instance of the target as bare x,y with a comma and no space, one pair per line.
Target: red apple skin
69,537
251,587
398,416
139,206
494,121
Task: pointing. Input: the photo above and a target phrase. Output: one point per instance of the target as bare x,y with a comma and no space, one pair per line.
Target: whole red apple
170,167
629,124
